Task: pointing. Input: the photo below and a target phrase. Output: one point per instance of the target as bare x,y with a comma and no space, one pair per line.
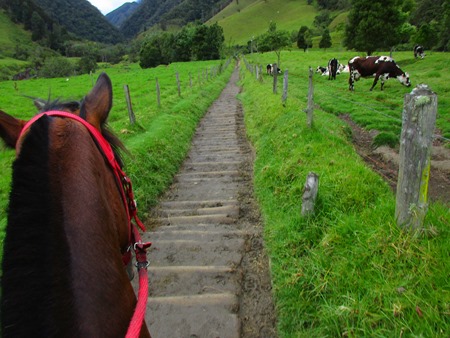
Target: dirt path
209,274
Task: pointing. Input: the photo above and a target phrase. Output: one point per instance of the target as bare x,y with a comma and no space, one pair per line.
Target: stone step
230,210
217,157
187,228
197,219
211,166
184,252
197,204
191,280
194,316
167,234
206,179
216,190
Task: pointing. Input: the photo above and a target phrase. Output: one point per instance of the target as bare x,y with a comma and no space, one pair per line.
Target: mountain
119,15
169,12
82,19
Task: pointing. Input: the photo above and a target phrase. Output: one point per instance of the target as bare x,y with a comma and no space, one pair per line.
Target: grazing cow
332,68
270,69
419,51
381,67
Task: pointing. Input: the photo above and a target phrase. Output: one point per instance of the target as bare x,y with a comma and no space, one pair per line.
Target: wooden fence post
309,194
190,80
310,108
419,120
285,87
275,77
178,84
257,72
130,108
158,93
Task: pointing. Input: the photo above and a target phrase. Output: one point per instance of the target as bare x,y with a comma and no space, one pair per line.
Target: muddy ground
384,160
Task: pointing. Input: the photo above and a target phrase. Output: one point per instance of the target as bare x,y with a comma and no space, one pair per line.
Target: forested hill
170,12
119,15
78,17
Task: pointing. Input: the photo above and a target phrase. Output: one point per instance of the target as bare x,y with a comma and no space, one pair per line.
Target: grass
347,271
243,19
160,139
11,35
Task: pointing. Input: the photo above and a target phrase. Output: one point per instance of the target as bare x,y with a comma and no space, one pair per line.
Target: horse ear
97,104
10,129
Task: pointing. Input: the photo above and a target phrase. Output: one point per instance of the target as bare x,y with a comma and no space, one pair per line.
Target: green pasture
160,139
347,271
243,19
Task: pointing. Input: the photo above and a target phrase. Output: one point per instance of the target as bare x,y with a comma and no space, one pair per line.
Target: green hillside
11,35
243,19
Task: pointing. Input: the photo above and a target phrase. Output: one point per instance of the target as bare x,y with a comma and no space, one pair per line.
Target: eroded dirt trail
209,274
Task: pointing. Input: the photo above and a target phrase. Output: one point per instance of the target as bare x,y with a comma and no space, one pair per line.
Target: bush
87,64
56,67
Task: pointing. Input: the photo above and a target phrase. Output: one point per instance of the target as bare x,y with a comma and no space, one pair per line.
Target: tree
38,28
374,24
325,42
304,40
87,64
157,50
274,40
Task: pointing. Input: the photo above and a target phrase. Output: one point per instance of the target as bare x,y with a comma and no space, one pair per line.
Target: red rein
126,191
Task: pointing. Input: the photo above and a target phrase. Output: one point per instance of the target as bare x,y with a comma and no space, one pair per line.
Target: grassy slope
159,140
251,18
11,35
348,271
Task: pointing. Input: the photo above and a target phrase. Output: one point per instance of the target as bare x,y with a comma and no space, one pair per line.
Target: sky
106,6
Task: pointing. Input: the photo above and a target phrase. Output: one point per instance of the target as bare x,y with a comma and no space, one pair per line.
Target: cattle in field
332,68
419,51
342,69
321,70
270,69
381,67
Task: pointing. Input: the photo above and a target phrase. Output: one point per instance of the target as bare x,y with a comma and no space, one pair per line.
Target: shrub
56,67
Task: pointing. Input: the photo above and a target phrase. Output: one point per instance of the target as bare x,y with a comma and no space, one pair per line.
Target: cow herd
379,67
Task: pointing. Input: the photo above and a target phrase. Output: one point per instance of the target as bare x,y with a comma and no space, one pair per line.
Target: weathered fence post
178,84
130,108
309,194
310,108
285,87
158,93
419,120
190,80
275,77
257,72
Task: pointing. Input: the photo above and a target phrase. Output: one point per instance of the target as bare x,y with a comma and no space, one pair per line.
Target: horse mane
33,219
74,107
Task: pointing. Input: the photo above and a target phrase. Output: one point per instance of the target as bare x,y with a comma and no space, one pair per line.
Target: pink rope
134,329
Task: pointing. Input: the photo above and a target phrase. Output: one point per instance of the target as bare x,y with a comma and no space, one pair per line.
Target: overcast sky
106,6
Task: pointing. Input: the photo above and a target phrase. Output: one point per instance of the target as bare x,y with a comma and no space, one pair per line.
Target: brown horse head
63,274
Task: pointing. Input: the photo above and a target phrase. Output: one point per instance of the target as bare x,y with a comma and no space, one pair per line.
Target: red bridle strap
126,191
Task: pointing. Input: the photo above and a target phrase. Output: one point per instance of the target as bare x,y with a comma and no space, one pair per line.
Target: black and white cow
270,69
343,69
381,67
419,51
332,68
